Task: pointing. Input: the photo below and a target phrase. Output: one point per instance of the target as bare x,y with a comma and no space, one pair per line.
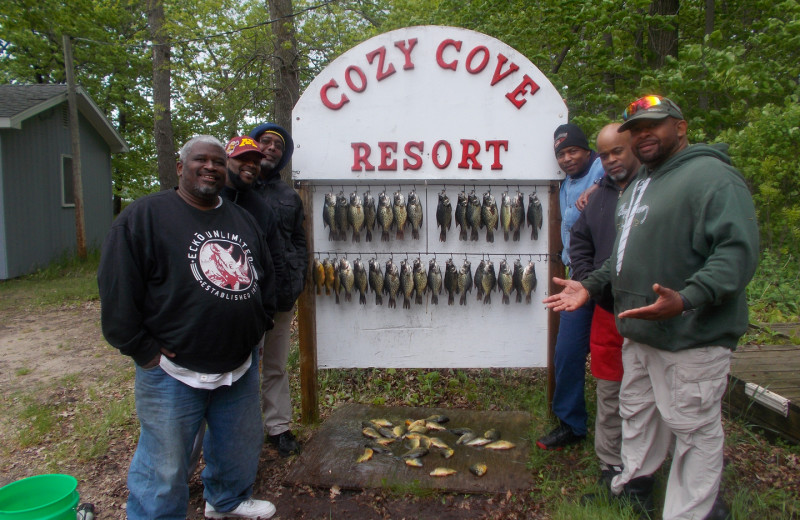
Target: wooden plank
306,322
556,268
741,406
329,458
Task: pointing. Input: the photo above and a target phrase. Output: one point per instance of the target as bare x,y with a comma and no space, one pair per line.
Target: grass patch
67,281
24,371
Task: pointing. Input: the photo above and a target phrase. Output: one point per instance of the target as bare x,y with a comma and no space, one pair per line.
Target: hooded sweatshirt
288,208
688,225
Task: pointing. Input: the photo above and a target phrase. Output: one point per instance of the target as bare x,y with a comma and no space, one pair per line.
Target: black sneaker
639,494
719,511
285,442
559,438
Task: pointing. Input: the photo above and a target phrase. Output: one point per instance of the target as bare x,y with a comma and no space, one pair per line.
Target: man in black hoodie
277,146
591,242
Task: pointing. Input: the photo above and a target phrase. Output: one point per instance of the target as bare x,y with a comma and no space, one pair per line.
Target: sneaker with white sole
248,509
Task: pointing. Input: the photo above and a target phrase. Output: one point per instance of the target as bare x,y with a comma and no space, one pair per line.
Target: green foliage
773,294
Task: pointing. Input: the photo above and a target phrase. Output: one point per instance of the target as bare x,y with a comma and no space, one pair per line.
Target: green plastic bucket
43,497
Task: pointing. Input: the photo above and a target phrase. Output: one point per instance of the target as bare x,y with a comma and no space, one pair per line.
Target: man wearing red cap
686,248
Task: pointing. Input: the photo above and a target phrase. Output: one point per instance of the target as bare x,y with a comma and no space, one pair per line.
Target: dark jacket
288,208
592,236
688,225
258,207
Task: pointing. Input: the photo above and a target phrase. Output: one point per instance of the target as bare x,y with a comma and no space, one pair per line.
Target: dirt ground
40,350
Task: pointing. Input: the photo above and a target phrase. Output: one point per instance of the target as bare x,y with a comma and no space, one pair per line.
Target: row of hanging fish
396,214
339,215
412,280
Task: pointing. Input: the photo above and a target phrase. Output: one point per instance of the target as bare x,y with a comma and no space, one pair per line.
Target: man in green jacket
686,248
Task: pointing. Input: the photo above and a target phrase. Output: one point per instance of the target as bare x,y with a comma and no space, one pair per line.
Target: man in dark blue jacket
277,146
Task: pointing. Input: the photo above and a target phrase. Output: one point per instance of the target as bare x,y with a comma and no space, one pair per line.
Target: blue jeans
572,347
170,414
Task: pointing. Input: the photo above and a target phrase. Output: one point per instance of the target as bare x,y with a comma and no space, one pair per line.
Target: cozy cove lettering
448,56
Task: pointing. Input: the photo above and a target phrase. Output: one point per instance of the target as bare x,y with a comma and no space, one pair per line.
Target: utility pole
74,129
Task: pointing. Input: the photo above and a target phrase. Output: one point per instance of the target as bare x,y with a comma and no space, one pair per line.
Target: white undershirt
203,381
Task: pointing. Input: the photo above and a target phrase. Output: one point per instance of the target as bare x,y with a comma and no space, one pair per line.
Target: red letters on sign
514,96
382,73
361,153
447,52
441,155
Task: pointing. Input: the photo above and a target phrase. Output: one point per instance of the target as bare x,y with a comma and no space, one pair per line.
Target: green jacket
693,229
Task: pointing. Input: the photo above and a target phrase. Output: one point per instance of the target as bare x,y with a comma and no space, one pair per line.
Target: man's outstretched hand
572,297
668,305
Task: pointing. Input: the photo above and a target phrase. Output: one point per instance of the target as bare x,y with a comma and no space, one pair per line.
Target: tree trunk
663,32
162,116
702,101
285,69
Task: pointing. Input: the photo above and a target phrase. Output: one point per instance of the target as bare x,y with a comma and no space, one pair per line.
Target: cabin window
67,191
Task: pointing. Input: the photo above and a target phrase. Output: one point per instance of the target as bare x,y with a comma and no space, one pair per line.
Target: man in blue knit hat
277,147
582,168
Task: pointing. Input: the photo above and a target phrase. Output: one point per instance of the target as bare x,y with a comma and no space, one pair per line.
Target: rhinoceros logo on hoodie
226,268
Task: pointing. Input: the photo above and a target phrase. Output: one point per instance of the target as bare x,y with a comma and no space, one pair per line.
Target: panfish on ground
500,445
442,472
478,469
366,456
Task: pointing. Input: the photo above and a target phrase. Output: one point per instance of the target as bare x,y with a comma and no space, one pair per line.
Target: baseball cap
649,107
242,144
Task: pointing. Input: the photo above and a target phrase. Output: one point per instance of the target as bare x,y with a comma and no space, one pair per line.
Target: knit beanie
569,135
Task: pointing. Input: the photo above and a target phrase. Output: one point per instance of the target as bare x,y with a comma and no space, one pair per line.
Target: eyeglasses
643,104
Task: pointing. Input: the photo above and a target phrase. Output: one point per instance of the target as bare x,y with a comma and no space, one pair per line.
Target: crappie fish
346,279
489,215
319,275
400,215
385,216
478,279
370,215
406,283
450,280
478,469
517,215
337,281
516,279
365,456
420,281
327,264
434,281
438,418
444,216
473,215
355,216
414,463
488,282
478,441
505,282
492,434
465,281
375,277
391,283
442,472
414,212
329,216
340,216
505,215
360,281
528,281
461,215
535,215
500,445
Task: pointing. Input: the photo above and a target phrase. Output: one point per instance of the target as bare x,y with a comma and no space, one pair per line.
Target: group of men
198,286
659,258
